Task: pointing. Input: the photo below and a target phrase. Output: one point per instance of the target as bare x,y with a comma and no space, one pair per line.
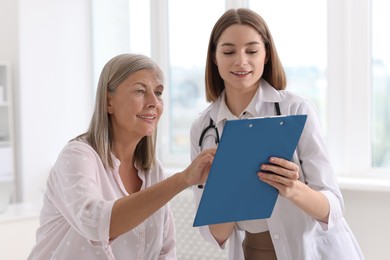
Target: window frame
348,91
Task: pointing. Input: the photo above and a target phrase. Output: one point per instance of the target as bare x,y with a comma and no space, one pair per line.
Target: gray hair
99,134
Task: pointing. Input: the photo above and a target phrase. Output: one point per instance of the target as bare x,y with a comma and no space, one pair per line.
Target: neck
238,100
124,151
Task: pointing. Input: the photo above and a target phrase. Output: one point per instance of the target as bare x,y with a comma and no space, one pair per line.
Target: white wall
47,43
368,214
55,91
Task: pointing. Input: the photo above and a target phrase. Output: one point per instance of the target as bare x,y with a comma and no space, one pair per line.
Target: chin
150,132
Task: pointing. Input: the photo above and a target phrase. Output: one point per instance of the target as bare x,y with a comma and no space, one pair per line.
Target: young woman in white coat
245,78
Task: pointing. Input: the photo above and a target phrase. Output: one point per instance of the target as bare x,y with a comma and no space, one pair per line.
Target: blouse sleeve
76,188
168,251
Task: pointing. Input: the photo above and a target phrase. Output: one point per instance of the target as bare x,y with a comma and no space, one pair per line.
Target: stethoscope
204,132
212,126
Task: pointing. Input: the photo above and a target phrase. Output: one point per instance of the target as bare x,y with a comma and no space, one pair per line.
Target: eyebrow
247,44
141,83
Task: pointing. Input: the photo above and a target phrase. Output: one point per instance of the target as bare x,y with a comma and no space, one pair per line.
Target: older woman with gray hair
107,194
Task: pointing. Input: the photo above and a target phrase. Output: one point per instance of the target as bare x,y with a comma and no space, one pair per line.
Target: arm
317,193
168,250
286,181
75,188
130,211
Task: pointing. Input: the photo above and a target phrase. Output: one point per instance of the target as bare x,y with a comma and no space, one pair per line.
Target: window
189,28
118,27
334,52
380,84
300,37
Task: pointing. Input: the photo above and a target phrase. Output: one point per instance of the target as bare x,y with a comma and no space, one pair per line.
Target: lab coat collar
223,111
219,111
268,93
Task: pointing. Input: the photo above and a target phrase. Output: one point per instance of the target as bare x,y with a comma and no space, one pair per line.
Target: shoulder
204,117
77,153
76,147
200,120
77,161
291,97
293,103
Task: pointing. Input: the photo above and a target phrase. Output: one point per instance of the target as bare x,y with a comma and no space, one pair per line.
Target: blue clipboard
233,191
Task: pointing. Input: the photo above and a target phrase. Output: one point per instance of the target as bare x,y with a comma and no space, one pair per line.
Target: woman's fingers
282,167
198,170
281,174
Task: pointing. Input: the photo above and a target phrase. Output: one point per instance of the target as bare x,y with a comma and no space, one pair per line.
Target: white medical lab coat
295,234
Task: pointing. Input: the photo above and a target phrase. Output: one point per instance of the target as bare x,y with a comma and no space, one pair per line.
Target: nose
152,100
242,59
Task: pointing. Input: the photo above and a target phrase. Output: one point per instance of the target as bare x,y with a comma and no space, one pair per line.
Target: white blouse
76,213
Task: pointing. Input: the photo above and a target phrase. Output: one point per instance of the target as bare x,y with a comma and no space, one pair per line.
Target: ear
110,108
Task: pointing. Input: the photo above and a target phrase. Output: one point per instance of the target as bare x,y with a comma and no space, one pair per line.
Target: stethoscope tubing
213,126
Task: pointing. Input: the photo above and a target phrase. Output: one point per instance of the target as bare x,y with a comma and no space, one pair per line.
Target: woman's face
136,106
240,56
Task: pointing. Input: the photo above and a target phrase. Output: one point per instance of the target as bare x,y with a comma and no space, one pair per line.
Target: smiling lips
241,73
149,118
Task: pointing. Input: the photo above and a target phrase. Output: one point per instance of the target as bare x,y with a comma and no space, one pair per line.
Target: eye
158,93
140,91
228,52
252,51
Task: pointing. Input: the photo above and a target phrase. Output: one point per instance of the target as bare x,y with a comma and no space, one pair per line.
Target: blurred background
335,52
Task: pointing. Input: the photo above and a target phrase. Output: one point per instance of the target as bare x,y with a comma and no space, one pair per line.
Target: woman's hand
198,171
284,175
281,174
